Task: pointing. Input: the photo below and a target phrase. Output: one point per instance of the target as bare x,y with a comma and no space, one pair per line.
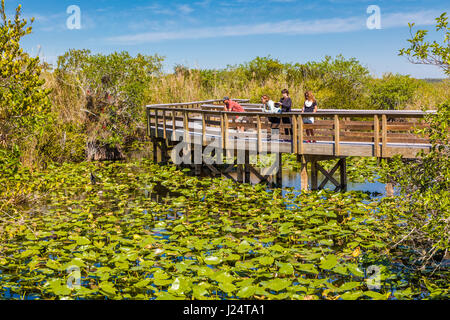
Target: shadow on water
292,179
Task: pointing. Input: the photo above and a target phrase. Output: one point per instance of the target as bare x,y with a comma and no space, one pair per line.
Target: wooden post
384,137
377,136
389,190
204,142
279,159
222,129
156,124
197,167
259,129
240,173
174,126
343,172
337,137
164,125
148,123
304,173
247,167
294,135
155,150
225,120
163,151
314,176
186,127
301,135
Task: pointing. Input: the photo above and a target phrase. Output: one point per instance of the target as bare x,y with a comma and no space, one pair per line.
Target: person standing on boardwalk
269,107
310,106
286,107
233,106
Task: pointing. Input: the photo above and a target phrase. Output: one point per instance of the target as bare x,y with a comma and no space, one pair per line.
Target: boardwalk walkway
337,134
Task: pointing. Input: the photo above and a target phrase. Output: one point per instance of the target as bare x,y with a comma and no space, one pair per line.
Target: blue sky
215,33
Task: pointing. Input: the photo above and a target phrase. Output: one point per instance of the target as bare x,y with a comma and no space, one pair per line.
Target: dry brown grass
429,95
67,102
179,88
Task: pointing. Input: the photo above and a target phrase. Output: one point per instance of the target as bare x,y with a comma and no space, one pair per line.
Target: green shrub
115,88
262,69
392,92
24,103
338,83
424,184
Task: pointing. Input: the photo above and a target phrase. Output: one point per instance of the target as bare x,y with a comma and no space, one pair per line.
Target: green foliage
261,69
296,73
9,162
24,104
424,185
115,87
424,52
392,92
339,83
61,142
258,92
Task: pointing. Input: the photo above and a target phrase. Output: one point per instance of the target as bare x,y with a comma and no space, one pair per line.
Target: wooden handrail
252,109
179,104
331,114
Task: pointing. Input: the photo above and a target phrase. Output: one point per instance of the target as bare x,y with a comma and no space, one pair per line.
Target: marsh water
292,179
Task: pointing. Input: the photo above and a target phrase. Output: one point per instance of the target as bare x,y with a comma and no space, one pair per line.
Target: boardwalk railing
196,104
337,133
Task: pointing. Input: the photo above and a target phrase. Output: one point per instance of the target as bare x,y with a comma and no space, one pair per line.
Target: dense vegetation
206,238
201,239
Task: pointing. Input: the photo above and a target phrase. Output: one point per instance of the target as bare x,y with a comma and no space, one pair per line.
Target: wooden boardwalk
337,134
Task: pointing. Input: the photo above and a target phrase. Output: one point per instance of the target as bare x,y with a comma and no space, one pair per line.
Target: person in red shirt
233,106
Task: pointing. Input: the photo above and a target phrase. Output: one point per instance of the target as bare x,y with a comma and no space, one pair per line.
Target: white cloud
185,9
291,27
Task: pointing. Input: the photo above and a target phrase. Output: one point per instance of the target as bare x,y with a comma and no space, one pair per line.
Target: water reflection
293,179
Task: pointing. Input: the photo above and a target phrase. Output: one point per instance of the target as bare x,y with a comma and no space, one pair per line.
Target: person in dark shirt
310,106
286,107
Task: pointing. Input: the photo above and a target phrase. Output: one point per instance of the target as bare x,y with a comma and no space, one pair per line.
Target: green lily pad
278,284
329,262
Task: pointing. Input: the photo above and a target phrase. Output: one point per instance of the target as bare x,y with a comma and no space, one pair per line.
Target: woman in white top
310,106
269,107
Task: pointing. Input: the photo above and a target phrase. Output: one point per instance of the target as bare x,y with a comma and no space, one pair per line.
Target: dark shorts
274,120
287,120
